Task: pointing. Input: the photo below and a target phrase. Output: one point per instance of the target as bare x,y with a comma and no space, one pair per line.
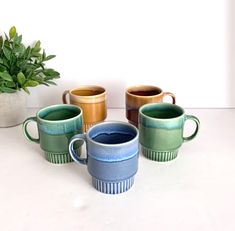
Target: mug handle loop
25,129
73,154
196,120
64,96
171,95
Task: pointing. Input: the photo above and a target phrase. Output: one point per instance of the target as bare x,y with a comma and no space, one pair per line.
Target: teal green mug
56,125
161,127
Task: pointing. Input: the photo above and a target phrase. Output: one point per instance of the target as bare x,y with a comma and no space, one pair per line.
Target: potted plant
21,67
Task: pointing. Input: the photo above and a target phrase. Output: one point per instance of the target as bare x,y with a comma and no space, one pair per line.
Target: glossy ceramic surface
112,155
161,130
137,96
92,100
56,124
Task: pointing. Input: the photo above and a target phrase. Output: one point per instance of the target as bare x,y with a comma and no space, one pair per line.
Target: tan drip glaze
136,96
92,100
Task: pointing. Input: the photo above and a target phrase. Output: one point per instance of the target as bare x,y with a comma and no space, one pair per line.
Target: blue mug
112,155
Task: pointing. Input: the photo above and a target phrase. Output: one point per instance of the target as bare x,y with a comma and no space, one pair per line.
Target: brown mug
92,100
136,96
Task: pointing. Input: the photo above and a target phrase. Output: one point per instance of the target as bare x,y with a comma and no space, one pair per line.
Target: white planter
13,108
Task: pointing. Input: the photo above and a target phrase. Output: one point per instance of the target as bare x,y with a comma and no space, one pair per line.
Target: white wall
184,46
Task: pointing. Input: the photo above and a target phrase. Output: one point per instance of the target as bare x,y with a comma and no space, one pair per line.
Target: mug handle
196,120
171,95
25,130
72,152
64,96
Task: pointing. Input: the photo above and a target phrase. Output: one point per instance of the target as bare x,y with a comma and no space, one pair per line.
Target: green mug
57,124
161,128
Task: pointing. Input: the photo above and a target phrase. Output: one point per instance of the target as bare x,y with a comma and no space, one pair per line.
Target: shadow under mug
56,125
92,100
112,155
137,96
161,127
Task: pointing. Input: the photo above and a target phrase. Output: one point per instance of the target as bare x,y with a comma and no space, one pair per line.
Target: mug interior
112,133
88,91
56,113
144,91
162,111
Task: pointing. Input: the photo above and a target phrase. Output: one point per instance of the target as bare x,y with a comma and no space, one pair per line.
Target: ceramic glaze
161,130
57,124
112,164
92,100
137,96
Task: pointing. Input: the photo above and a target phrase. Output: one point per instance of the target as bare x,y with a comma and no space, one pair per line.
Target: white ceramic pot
13,108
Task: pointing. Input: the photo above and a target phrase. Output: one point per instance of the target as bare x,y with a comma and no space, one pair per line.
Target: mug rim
112,122
161,104
88,88
142,86
58,105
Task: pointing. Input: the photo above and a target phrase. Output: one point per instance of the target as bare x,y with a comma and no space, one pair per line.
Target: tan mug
92,100
137,96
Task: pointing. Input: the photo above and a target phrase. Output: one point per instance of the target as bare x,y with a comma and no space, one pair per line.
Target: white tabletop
196,191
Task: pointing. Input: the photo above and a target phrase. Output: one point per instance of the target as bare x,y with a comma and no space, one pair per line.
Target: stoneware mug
161,130
136,96
56,125
92,100
112,155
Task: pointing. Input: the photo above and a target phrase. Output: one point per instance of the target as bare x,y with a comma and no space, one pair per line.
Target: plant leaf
49,57
31,83
7,89
6,76
36,49
17,39
37,44
26,90
7,52
10,84
2,68
51,73
21,78
51,82
1,41
12,32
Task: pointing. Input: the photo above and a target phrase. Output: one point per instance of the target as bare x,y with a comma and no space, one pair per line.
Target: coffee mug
112,155
56,125
137,96
161,127
92,100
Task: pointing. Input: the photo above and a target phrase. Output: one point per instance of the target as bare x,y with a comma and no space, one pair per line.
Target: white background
184,46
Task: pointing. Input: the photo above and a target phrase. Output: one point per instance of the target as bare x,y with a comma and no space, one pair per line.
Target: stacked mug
112,147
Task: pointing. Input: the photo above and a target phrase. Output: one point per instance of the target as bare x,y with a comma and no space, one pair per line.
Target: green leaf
51,73
26,90
49,57
6,76
2,68
51,82
10,84
34,54
17,39
7,52
7,89
21,78
1,41
27,53
37,44
12,32
43,54
36,49
31,83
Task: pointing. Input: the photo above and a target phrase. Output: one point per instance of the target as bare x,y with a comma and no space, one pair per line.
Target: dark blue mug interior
112,133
